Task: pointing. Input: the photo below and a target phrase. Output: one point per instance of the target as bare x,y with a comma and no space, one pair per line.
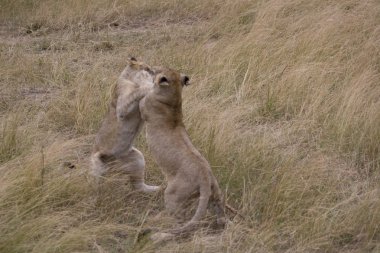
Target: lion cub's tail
204,197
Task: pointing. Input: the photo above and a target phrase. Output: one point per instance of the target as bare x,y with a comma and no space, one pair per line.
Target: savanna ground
284,103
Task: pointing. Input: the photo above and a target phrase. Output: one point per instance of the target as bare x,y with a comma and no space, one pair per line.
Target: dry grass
284,104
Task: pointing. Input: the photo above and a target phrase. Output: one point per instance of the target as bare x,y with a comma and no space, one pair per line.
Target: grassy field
284,103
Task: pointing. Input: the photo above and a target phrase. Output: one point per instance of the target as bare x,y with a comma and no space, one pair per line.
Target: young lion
186,170
113,143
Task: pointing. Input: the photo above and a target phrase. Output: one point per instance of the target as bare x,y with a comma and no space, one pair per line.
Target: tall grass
284,103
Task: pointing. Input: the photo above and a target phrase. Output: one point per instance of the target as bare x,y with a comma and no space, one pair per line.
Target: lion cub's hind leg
134,164
98,166
180,196
175,197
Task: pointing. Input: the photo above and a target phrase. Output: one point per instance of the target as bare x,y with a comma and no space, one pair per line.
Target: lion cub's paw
222,222
149,188
161,237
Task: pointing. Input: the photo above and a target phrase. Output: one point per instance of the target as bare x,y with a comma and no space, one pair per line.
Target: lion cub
186,170
113,143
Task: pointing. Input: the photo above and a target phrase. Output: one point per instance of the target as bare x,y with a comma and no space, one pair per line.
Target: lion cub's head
137,71
168,85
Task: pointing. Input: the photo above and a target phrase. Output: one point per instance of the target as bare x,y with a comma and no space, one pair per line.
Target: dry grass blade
284,103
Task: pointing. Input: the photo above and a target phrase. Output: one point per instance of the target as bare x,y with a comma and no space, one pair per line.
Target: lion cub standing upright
186,170
113,143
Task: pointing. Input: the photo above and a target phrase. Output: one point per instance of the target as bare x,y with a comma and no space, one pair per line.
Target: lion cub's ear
162,80
185,80
132,62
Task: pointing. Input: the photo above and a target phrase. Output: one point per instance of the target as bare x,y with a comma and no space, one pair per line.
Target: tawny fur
121,125
186,170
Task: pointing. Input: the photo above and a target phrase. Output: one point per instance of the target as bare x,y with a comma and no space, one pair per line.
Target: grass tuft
284,103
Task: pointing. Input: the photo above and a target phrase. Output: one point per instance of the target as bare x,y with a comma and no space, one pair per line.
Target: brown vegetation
284,103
